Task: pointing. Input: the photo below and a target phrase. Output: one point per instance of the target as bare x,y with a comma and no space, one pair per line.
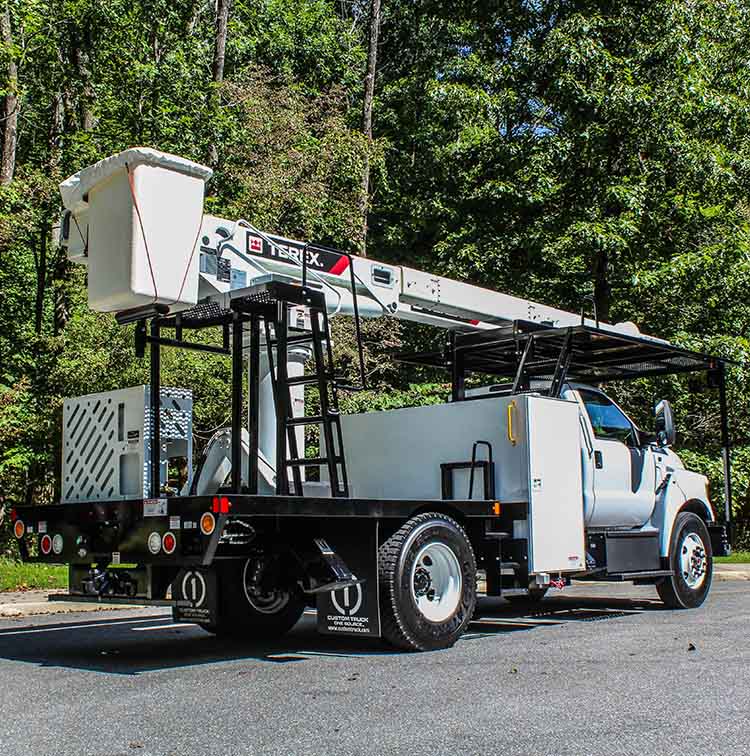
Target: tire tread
391,625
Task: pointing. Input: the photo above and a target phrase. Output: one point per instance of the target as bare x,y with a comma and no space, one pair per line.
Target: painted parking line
93,626
163,627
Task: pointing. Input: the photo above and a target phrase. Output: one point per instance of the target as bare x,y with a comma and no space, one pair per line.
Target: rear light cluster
47,544
158,543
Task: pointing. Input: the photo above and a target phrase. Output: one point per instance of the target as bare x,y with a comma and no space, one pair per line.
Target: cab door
624,473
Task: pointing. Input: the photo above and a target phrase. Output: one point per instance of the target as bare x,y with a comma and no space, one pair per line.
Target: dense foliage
549,149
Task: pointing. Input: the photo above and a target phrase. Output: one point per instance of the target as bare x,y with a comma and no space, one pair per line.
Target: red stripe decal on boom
340,266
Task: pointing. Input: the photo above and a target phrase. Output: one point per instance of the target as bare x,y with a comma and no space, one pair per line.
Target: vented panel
89,458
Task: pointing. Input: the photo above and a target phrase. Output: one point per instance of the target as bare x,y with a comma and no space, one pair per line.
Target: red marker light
224,505
215,504
45,544
169,543
13,515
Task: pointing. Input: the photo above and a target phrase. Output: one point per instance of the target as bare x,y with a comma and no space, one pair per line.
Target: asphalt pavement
592,670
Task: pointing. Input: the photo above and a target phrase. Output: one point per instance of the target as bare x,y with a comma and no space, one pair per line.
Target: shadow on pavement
145,644
496,616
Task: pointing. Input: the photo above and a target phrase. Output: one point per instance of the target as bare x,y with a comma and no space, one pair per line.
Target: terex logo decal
291,252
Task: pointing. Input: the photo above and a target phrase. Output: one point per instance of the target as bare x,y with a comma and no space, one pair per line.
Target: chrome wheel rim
436,582
693,560
265,602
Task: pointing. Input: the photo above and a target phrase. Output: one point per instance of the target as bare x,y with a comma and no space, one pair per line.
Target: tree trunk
372,60
602,288
220,39
56,131
40,264
10,111
87,92
217,70
59,267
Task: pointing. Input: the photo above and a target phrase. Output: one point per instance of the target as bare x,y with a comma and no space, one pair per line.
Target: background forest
555,150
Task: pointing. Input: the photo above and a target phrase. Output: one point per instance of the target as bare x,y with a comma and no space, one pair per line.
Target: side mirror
665,431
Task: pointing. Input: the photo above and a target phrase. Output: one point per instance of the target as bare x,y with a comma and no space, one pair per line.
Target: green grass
17,576
738,557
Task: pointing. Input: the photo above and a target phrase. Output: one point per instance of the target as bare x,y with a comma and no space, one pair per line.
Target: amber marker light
208,523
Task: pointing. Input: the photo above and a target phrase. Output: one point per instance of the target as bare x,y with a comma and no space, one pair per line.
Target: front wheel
691,561
427,576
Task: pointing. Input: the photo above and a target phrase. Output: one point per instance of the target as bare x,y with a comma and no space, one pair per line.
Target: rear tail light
221,505
169,543
45,544
19,529
208,523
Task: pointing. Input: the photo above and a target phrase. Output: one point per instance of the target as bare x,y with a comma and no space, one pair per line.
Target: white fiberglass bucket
136,221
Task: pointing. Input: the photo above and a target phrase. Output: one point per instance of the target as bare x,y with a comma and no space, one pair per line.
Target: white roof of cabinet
75,188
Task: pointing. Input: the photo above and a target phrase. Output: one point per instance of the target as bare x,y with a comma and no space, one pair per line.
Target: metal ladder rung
314,461
307,420
296,338
305,380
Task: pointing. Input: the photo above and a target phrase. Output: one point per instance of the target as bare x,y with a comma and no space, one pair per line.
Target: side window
606,418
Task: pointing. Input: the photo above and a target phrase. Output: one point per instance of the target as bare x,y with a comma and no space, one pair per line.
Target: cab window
607,419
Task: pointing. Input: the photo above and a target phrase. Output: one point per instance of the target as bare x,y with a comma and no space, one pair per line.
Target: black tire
247,614
676,591
406,585
534,596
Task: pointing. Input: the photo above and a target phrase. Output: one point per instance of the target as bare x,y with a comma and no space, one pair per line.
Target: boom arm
235,255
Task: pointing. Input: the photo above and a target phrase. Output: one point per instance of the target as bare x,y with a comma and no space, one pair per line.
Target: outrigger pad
195,592
353,609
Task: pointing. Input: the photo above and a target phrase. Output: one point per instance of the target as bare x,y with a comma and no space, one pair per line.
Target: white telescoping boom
235,255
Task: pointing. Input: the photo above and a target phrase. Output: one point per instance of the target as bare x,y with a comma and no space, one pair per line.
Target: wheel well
442,507
696,507
474,526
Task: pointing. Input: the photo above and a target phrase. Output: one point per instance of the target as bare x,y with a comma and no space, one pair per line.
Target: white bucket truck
533,480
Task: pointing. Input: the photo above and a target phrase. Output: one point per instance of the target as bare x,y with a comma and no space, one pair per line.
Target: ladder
288,456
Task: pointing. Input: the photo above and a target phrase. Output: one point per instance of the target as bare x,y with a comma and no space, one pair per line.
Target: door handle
598,460
511,437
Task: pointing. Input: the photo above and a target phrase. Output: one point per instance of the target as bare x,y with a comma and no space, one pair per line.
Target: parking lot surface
592,670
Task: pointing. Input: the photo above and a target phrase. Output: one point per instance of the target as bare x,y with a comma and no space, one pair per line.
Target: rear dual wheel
253,603
427,580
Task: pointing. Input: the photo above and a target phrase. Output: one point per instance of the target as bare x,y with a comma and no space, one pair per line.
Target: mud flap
354,610
195,592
